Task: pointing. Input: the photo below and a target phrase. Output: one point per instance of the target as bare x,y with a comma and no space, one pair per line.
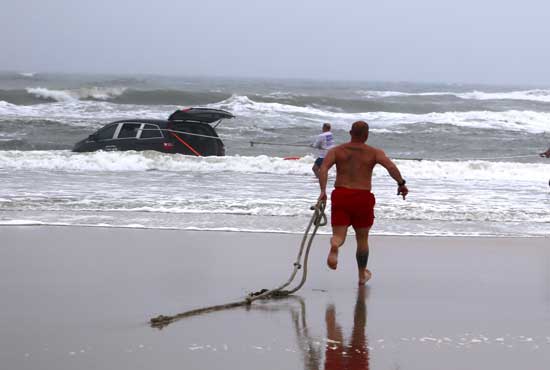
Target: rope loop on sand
317,220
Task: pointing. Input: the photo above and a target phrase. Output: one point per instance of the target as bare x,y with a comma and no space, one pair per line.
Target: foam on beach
61,160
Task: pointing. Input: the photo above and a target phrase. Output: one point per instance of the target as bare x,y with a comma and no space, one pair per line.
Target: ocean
469,154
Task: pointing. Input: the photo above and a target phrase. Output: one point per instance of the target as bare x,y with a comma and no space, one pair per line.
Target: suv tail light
168,146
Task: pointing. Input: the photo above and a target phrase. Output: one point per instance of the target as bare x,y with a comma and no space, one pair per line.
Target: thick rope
225,139
280,144
252,143
317,219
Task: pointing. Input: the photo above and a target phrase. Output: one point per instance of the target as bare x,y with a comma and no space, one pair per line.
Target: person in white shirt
323,143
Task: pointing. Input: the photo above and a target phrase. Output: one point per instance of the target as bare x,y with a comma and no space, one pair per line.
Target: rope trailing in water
317,219
252,143
279,144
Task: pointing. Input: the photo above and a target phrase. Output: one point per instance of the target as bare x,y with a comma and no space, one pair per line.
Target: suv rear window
129,130
150,132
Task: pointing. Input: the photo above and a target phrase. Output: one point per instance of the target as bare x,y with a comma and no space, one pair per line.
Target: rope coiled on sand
317,219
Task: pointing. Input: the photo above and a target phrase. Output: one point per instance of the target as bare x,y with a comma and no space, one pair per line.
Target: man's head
359,131
326,127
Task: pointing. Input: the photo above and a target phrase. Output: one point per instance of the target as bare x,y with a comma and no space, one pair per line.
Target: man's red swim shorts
352,207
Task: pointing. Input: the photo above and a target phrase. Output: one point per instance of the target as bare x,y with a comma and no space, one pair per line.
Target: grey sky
486,41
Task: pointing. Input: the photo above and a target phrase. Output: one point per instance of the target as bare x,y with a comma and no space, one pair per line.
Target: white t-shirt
323,142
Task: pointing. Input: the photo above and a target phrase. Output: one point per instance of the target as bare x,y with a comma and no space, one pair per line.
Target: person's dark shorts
319,162
353,207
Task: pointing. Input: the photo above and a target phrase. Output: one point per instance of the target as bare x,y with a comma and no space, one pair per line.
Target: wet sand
80,298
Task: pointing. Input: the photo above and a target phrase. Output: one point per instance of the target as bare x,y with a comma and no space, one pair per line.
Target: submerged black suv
187,131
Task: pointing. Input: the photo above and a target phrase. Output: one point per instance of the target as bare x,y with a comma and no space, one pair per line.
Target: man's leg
315,170
317,166
362,254
338,238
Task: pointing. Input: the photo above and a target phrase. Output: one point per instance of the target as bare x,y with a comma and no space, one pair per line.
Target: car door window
106,133
129,131
151,132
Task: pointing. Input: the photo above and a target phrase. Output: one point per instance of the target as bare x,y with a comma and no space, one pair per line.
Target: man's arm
328,162
394,172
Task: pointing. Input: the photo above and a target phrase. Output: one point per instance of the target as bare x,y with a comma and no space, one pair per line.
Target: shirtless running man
352,200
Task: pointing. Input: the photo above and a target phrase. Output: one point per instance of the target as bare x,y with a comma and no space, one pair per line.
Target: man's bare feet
364,276
332,260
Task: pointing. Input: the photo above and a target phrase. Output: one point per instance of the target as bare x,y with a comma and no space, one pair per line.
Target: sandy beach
81,298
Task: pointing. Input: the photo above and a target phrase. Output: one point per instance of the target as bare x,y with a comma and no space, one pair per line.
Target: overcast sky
484,41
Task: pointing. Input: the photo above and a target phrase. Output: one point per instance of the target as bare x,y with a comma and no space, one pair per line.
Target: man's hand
545,154
403,191
323,195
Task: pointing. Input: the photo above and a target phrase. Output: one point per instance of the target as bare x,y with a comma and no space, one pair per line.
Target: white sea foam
100,93
538,95
275,115
147,161
93,92
57,95
476,170
373,94
286,115
83,113
21,222
533,95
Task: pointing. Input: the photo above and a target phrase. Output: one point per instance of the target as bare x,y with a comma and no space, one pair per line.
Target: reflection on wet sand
311,351
338,355
355,355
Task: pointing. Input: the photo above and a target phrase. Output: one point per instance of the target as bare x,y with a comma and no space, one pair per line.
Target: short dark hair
326,126
359,129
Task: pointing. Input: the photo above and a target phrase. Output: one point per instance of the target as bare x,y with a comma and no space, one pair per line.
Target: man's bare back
354,165
355,162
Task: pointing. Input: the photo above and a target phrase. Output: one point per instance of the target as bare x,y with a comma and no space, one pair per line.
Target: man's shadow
355,355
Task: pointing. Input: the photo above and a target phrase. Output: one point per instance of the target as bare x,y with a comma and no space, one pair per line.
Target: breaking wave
82,113
278,115
292,116
113,94
94,92
537,95
60,160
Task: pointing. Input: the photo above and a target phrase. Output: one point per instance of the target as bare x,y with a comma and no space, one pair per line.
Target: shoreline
274,232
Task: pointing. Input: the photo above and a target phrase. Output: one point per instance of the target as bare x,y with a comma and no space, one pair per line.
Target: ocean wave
537,95
59,160
147,161
285,115
275,115
82,113
93,92
113,94
27,74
